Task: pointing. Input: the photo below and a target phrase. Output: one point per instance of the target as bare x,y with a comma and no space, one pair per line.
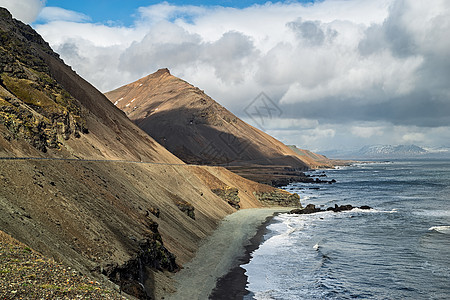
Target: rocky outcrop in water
311,208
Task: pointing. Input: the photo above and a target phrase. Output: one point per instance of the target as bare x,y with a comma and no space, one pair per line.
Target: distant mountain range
389,151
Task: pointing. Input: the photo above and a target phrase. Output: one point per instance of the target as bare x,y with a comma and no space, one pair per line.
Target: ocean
400,249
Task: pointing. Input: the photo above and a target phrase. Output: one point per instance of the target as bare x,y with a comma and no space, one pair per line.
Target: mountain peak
161,72
196,128
5,13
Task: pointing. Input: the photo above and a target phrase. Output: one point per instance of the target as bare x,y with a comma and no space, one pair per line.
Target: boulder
365,207
309,209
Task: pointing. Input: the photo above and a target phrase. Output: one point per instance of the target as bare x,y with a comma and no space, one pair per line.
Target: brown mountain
102,196
198,130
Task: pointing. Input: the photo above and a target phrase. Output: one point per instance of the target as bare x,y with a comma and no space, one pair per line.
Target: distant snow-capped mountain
389,151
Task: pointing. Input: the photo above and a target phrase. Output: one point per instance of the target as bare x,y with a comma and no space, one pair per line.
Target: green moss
27,91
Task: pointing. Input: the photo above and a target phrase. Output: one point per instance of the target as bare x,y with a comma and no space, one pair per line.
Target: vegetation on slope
25,273
33,106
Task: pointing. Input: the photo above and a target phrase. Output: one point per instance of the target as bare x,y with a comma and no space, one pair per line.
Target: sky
335,74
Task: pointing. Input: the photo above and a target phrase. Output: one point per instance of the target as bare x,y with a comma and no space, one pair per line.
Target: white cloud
277,123
366,131
413,137
50,14
23,10
334,64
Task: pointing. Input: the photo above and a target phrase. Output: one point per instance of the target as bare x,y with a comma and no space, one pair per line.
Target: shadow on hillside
202,138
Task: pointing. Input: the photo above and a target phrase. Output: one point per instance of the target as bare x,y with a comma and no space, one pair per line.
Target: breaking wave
440,229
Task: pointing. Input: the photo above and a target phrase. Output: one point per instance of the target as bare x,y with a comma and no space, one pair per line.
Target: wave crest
441,229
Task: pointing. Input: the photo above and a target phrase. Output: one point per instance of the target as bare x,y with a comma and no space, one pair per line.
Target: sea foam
441,229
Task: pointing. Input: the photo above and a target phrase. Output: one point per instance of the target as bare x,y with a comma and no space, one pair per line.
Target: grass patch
27,91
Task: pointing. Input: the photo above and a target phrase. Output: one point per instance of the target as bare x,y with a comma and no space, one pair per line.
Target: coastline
215,270
233,285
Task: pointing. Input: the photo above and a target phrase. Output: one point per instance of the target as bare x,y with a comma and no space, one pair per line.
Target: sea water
400,249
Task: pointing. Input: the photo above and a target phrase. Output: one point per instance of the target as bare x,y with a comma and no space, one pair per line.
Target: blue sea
400,249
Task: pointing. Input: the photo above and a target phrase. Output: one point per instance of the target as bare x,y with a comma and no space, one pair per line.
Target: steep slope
44,278
127,211
48,110
196,128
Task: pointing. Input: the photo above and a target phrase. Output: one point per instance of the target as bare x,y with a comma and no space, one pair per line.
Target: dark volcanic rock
338,208
153,254
311,208
187,208
230,195
33,105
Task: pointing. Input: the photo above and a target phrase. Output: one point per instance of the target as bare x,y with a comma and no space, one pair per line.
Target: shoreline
215,270
233,285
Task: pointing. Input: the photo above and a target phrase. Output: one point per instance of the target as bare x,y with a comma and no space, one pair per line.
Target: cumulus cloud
344,66
24,10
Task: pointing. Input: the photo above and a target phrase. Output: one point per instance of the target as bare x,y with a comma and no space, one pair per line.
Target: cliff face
33,107
195,127
124,222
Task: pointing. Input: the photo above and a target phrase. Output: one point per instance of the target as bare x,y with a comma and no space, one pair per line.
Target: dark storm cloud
393,35
419,109
428,104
